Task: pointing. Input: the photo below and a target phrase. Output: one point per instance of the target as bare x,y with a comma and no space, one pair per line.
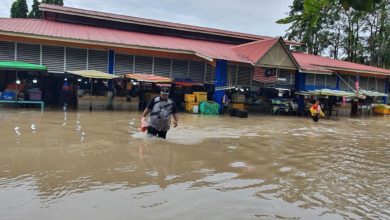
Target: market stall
94,101
347,102
143,87
23,88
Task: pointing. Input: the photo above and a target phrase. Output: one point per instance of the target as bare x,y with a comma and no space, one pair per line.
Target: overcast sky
248,16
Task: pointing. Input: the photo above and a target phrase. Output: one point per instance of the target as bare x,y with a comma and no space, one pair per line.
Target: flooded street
82,165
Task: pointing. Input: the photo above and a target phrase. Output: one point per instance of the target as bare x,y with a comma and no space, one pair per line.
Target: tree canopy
353,30
35,12
19,9
53,2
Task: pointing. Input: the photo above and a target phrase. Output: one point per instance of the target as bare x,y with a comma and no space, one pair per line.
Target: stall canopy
94,74
21,66
148,78
326,92
372,93
339,93
187,82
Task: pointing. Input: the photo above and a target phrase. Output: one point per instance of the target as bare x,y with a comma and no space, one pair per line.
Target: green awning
21,66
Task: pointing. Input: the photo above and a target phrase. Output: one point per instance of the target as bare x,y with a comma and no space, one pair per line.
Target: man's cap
164,91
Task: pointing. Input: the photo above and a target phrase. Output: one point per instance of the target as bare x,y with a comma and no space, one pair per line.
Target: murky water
57,165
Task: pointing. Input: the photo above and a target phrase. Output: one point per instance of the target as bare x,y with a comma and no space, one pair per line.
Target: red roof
144,21
255,50
313,63
151,22
246,53
91,34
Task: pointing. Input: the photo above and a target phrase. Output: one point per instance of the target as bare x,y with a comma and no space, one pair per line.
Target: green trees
353,30
19,9
35,12
360,5
53,2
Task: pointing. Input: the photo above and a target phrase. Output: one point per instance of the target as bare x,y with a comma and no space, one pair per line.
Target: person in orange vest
316,111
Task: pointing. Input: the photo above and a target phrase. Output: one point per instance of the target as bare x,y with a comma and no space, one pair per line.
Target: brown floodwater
82,165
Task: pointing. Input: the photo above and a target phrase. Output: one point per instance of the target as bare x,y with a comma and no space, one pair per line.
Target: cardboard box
238,98
200,96
190,106
189,97
239,106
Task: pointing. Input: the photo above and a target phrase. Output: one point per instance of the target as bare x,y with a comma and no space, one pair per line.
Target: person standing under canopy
316,111
161,109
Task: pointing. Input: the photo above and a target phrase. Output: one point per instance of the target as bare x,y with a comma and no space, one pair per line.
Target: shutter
244,75
162,67
363,83
76,59
286,78
123,64
7,51
210,73
232,75
331,81
345,83
98,60
29,53
143,64
320,80
179,69
292,79
381,85
197,71
371,84
309,79
53,58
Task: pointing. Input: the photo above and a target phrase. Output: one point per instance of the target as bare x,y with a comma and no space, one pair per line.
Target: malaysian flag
264,75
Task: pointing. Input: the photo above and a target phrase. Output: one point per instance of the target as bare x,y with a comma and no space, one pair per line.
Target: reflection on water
82,165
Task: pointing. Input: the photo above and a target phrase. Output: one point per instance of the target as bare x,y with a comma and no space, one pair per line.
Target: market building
219,62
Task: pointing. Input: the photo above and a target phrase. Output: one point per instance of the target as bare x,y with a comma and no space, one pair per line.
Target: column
337,82
110,69
220,80
385,99
300,81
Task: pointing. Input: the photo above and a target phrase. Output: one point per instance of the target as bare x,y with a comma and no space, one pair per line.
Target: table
41,103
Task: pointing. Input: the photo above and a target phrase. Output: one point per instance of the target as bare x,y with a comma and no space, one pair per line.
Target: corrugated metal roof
144,21
255,50
151,22
96,35
92,34
315,63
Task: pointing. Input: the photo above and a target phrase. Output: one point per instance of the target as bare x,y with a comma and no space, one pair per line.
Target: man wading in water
161,108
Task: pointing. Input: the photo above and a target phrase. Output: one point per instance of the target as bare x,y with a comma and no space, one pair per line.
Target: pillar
385,99
300,81
110,69
220,80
